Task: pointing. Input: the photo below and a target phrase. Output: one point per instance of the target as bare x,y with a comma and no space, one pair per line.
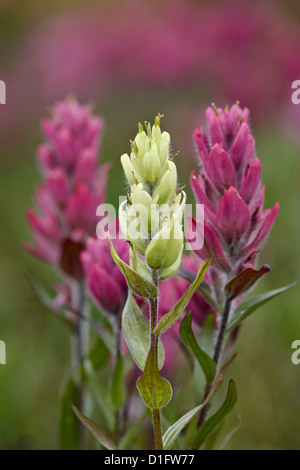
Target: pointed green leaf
207,341
173,431
204,288
249,306
136,332
209,425
171,317
117,385
98,434
98,354
154,389
211,439
199,383
68,426
244,281
208,334
138,285
132,432
206,362
100,394
228,436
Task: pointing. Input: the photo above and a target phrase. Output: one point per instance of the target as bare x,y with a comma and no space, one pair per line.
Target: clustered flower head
229,186
152,221
73,186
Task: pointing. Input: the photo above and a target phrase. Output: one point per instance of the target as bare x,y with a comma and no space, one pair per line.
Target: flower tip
215,109
266,267
196,134
157,119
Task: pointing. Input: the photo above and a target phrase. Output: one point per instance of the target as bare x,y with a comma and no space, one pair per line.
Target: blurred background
133,59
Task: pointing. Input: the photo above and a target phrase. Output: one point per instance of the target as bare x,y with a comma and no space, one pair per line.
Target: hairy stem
154,345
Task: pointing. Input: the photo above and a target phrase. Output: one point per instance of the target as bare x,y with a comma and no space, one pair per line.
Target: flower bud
156,134
139,266
140,196
166,189
132,227
168,272
164,147
166,247
144,208
130,172
152,166
141,143
179,204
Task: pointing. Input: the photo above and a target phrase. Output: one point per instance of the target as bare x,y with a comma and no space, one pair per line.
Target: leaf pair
173,431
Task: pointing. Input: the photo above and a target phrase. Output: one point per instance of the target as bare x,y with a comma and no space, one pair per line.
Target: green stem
221,334
79,347
217,355
157,430
118,413
154,345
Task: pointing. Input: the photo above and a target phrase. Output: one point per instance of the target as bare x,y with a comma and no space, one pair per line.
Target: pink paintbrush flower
229,186
73,187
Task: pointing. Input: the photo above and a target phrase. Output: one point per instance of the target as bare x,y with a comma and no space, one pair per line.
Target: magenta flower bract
236,225
105,281
72,189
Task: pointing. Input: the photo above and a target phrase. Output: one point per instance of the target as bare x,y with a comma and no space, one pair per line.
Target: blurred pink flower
105,281
72,188
216,47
